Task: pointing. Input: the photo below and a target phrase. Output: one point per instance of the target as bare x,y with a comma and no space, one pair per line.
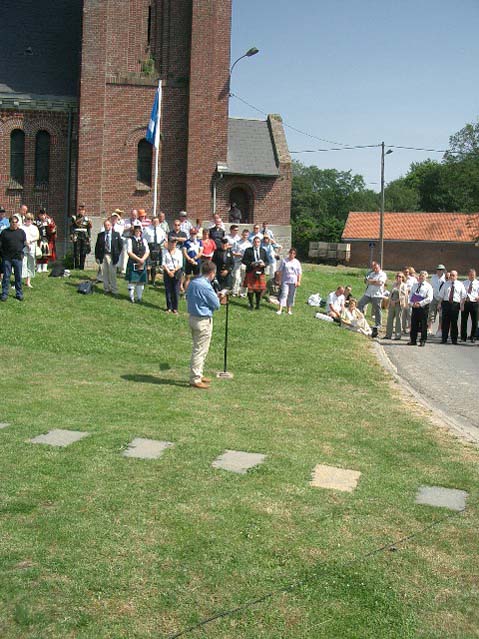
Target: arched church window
143,166
42,158
17,156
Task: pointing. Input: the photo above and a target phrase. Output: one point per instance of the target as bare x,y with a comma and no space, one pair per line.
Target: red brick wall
171,48
190,41
208,115
421,255
53,196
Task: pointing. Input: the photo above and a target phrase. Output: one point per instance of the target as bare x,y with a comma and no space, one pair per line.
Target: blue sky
360,72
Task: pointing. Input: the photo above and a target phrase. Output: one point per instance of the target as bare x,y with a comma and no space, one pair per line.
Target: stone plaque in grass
146,448
440,497
3,425
335,478
59,437
237,461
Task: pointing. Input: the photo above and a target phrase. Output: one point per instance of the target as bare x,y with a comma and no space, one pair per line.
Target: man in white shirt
335,304
470,306
239,268
374,293
420,298
437,282
185,225
453,295
156,238
234,236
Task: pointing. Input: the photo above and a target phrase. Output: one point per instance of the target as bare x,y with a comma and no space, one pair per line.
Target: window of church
143,166
42,158
17,156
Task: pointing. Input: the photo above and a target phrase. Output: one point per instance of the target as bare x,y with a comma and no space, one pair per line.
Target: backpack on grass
85,288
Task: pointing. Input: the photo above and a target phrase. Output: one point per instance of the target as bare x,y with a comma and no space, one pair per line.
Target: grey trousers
376,304
394,320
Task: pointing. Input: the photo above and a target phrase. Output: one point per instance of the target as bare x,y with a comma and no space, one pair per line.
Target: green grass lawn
95,545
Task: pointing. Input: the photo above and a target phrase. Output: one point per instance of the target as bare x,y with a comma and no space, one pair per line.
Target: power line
300,582
346,147
285,124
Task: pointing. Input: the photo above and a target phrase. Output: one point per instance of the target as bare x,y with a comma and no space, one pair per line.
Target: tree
321,201
463,144
398,196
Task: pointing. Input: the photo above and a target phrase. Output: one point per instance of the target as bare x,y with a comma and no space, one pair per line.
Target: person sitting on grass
335,304
354,320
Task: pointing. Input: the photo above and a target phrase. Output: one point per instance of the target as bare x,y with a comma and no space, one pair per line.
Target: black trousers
419,323
470,308
81,248
450,315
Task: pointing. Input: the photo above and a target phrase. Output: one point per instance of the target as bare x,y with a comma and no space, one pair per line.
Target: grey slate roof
40,47
250,148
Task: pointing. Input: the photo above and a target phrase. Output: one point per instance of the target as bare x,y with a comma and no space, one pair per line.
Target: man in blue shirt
202,301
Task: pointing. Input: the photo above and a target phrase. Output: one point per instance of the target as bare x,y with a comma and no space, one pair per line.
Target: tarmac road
444,375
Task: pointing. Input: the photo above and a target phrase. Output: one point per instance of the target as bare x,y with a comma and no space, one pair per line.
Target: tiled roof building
421,239
81,75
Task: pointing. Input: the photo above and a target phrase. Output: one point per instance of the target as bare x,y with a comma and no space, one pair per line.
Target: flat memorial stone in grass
450,498
3,425
335,478
146,448
59,437
237,461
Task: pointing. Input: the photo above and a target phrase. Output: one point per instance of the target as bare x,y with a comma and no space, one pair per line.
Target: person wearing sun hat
438,279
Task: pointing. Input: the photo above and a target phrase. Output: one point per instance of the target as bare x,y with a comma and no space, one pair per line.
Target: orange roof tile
431,227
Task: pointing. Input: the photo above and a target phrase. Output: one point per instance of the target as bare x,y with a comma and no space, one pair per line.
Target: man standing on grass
107,254
202,301
375,281
12,242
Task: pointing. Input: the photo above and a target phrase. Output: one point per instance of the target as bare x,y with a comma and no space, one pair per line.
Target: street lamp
248,54
381,215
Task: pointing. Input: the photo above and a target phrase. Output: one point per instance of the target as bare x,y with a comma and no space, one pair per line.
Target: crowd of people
143,250
413,305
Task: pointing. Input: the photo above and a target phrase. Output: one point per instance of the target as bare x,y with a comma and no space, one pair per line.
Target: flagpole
157,153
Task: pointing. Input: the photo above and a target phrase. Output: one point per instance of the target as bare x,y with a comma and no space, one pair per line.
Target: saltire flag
153,130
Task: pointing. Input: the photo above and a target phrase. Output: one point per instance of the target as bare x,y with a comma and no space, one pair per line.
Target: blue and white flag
153,130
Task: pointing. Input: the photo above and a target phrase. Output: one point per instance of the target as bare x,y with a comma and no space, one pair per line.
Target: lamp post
248,54
381,215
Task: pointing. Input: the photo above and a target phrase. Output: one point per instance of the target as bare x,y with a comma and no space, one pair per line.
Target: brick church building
77,83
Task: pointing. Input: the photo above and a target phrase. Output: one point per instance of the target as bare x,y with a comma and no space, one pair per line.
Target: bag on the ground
85,288
314,299
58,270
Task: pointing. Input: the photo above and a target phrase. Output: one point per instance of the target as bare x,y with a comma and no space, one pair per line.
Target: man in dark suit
255,260
107,253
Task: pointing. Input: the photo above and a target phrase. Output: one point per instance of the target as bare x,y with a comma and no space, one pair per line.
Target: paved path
444,375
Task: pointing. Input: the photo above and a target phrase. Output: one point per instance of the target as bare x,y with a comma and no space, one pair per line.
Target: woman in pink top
290,272
209,246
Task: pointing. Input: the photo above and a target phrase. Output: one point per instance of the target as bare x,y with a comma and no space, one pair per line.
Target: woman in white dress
354,320
30,259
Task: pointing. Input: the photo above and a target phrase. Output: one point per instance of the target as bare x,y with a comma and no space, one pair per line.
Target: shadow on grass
151,379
